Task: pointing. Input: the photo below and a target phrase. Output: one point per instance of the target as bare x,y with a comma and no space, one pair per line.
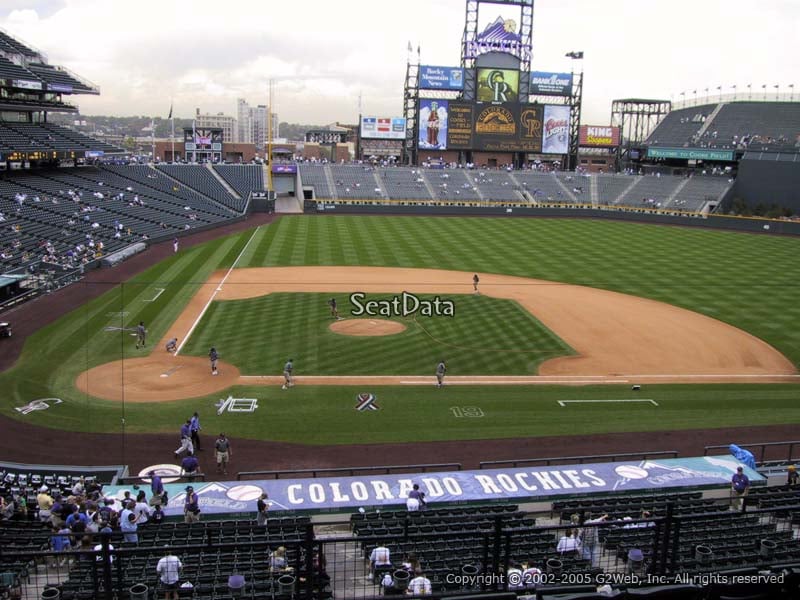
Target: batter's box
237,405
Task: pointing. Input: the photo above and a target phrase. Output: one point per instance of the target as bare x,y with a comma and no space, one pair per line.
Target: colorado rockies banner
514,485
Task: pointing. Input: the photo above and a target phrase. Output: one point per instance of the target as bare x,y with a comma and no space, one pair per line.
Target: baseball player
475,280
172,345
441,369
334,310
141,334
287,374
213,357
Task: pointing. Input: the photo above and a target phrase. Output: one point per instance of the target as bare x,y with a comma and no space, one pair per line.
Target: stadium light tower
576,102
791,97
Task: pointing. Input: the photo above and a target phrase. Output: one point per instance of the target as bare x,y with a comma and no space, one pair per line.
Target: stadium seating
679,126
496,185
355,182
201,180
10,70
316,175
59,75
47,137
452,185
404,184
544,187
243,178
651,191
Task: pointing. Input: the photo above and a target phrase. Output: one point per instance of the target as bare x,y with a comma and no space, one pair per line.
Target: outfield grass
747,280
487,336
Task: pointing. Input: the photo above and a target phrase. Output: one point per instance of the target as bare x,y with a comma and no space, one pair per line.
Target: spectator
411,563
142,510
60,543
277,560
158,515
416,499
45,502
262,506
157,488
129,527
223,450
379,559
420,585
569,543
791,477
169,574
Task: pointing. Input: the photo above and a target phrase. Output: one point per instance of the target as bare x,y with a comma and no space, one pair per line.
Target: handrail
493,464
762,446
350,471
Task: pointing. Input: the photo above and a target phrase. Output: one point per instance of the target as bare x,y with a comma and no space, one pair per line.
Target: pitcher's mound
367,327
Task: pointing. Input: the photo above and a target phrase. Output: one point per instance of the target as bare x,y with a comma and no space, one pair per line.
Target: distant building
252,124
219,120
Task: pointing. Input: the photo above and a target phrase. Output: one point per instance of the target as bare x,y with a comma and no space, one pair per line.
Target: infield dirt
615,336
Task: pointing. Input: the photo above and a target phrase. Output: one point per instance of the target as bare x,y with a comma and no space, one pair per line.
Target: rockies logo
366,402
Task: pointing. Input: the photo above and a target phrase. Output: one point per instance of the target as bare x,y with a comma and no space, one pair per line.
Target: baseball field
570,315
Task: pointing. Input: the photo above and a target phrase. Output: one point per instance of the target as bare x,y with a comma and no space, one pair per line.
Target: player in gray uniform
141,334
287,374
213,356
172,345
441,369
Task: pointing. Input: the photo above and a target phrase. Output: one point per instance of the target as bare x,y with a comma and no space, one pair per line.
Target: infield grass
486,336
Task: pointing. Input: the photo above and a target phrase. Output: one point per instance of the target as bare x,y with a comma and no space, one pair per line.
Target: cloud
322,55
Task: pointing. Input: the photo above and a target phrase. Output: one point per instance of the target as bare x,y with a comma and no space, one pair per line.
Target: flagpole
194,139
153,137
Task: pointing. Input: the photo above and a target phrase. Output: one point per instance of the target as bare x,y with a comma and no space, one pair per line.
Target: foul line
214,295
154,298
564,403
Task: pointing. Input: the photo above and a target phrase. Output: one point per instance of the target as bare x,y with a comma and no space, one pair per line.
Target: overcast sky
322,54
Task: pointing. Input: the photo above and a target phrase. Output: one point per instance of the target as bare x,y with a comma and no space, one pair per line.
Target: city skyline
326,58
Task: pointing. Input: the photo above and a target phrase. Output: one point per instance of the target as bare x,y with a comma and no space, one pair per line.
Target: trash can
401,578
767,550
703,554
236,585
469,572
139,591
286,584
554,565
635,560
51,594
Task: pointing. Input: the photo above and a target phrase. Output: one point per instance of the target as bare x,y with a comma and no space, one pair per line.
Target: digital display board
389,128
505,127
203,139
441,78
497,85
546,83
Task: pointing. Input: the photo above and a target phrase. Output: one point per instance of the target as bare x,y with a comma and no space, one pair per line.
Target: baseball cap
635,555
739,468
43,489
189,488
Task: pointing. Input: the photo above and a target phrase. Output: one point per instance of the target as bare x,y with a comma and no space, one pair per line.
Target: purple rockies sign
347,494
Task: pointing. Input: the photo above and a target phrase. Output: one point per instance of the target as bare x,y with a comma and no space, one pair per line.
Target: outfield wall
750,225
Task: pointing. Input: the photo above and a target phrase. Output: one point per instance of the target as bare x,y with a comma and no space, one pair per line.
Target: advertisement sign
441,78
510,484
391,128
598,136
498,85
509,127
290,168
433,124
498,36
59,87
690,153
555,139
26,85
545,83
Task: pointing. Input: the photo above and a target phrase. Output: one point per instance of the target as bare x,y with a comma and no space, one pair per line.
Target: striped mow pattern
747,280
487,336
